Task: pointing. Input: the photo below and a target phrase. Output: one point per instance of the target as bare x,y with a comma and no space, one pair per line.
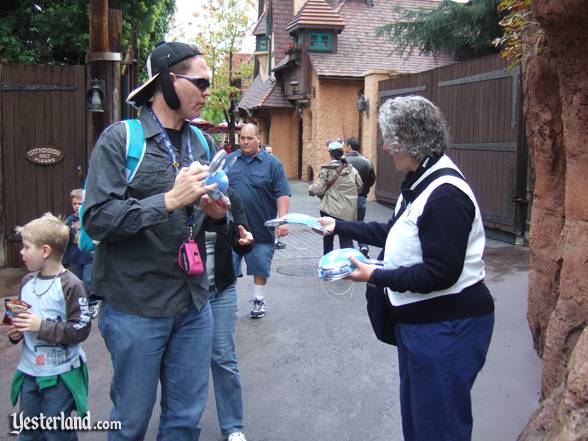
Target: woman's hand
362,273
215,209
328,223
245,237
27,321
282,230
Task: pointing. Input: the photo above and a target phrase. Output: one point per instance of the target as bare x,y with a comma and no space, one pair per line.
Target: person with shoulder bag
337,186
430,298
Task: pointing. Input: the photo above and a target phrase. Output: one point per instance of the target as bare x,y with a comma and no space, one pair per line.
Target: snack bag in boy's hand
13,307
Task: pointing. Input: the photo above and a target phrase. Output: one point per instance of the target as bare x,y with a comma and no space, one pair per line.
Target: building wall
262,58
282,13
283,138
332,114
369,141
262,121
307,145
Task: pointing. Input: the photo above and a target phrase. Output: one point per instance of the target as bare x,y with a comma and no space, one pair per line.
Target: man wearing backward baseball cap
155,319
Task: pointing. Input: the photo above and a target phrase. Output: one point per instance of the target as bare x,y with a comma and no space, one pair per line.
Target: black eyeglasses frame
201,83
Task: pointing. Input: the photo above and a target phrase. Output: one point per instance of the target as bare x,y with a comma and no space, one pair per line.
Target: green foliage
51,32
56,31
522,35
150,19
222,33
449,27
222,92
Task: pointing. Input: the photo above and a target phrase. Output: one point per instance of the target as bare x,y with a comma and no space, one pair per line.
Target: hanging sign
45,155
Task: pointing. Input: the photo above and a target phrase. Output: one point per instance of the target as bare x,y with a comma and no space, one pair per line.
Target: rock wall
545,137
563,415
556,93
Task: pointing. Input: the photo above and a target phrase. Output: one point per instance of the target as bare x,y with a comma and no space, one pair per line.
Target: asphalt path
311,369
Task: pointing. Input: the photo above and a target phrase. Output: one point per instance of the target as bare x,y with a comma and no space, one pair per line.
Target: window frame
258,43
320,47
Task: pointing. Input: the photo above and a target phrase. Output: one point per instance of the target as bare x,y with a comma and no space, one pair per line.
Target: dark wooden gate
42,112
482,103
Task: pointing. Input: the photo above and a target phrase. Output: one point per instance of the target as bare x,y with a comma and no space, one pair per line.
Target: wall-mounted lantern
294,87
95,96
362,104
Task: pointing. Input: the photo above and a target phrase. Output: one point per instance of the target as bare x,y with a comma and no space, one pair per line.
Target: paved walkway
312,369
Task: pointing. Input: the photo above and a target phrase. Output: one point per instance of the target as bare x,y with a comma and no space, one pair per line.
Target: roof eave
301,27
341,77
284,66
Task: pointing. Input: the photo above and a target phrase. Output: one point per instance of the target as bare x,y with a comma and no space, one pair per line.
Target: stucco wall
332,114
283,138
262,125
262,57
369,141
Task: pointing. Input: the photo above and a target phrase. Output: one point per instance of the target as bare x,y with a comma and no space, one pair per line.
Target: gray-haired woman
434,276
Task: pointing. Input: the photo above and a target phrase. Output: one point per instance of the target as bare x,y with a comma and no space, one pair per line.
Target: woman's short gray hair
414,125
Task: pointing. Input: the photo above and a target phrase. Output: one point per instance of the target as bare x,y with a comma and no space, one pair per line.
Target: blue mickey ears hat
164,56
334,145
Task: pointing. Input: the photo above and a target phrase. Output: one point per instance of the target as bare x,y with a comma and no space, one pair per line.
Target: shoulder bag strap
330,184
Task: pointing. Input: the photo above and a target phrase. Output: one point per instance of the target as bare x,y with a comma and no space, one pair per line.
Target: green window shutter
320,41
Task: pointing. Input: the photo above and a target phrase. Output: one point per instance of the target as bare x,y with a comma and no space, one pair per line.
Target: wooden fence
42,144
481,101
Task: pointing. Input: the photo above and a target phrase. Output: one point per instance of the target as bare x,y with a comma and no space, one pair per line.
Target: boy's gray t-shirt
62,305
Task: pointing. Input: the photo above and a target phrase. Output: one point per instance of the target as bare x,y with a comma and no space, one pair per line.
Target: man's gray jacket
365,168
136,263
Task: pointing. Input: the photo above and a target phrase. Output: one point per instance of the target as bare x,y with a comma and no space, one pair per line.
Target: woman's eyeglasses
200,83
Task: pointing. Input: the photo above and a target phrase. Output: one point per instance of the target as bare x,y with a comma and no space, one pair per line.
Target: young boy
52,376
77,261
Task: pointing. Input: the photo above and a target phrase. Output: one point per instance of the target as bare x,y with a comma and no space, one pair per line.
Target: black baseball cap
164,56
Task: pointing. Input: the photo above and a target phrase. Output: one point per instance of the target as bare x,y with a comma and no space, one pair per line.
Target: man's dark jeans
328,241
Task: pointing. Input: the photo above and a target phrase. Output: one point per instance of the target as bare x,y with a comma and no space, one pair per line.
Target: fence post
103,65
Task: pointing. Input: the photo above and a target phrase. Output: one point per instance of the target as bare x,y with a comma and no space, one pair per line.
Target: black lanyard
408,195
170,149
176,165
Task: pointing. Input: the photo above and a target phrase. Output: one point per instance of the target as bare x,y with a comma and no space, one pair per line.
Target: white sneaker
258,310
237,436
93,311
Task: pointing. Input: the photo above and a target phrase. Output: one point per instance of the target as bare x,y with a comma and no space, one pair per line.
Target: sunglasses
200,83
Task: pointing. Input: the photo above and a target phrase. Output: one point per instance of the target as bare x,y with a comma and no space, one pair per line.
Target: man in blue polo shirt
260,181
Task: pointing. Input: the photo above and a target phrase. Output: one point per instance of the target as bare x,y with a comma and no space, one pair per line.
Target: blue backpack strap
202,140
85,242
135,147
135,151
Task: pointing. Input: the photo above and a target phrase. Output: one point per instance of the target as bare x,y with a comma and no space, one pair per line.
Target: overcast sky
187,18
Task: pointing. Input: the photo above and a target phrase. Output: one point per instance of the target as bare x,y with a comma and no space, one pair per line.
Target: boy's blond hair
47,230
77,193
